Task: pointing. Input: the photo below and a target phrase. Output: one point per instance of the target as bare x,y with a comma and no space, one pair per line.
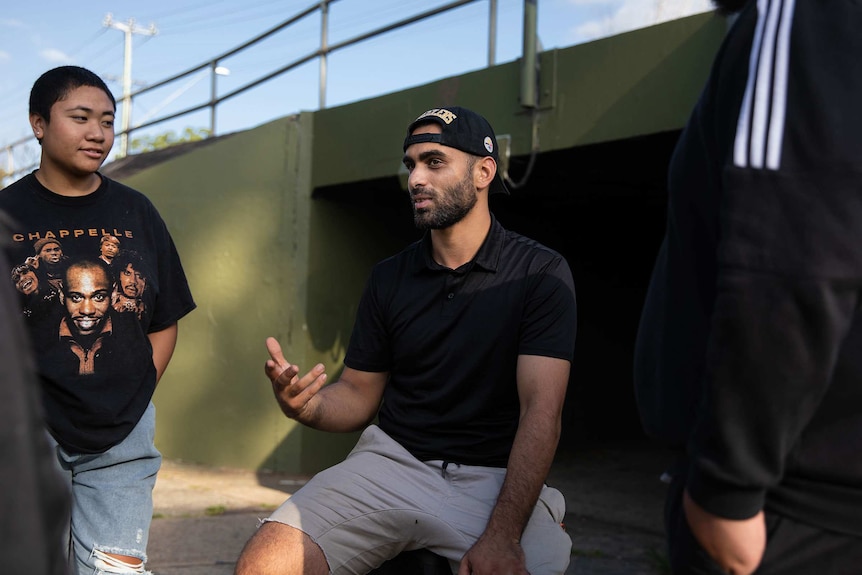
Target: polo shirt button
451,295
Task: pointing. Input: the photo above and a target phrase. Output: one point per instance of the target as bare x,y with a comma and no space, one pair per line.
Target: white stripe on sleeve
760,126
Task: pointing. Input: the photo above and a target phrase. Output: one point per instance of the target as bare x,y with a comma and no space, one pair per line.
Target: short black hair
129,257
54,85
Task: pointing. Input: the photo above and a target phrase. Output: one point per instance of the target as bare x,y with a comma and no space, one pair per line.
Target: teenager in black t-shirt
98,367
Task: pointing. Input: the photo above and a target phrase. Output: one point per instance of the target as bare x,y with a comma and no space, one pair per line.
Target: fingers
278,369
292,392
299,390
274,349
280,374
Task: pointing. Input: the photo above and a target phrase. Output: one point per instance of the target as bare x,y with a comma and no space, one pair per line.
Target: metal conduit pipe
529,87
529,64
492,32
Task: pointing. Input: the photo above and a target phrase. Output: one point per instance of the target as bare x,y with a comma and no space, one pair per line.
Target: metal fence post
492,32
213,96
324,49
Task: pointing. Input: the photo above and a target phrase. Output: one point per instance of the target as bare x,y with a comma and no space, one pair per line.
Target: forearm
338,408
163,343
529,462
344,405
737,546
542,383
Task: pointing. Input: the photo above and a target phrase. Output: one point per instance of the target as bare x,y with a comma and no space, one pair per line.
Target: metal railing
322,52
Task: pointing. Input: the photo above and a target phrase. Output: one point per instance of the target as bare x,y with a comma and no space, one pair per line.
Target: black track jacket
749,352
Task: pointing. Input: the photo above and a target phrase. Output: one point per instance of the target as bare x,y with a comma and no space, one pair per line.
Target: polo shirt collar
487,258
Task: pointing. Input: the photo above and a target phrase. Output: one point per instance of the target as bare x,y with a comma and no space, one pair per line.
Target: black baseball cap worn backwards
463,130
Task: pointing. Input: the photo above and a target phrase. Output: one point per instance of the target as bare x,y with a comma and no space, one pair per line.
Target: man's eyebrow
90,110
435,153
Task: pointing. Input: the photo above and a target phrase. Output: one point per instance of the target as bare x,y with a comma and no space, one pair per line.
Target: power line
225,17
164,16
86,43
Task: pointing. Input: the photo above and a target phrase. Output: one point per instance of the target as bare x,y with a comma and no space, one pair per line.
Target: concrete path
203,516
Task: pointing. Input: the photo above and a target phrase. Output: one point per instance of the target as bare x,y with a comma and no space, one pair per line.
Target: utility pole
128,28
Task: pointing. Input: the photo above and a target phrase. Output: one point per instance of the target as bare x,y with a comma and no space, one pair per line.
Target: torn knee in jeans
107,562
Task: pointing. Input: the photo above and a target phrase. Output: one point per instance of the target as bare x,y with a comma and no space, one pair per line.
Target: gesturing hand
292,392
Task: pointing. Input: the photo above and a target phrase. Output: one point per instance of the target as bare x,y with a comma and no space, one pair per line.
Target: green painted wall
264,257
241,215
231,208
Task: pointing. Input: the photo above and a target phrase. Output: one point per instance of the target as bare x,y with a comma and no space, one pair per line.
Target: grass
214,510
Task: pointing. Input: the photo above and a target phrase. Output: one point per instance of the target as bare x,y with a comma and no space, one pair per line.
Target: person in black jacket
33,497
749,352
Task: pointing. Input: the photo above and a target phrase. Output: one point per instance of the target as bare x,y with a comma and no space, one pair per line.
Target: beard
449,208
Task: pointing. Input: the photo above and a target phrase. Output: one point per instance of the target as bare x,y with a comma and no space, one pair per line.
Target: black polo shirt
450,340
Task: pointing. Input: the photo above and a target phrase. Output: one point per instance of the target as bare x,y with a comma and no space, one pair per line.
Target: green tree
152,142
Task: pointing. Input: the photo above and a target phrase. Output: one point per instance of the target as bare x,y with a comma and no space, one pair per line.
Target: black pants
792,548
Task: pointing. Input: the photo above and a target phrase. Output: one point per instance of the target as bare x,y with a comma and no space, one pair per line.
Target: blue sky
191,32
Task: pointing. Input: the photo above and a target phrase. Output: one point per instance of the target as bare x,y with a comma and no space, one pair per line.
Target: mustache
421,191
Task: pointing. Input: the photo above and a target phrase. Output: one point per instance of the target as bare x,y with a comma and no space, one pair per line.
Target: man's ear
484,173
38,124
62,297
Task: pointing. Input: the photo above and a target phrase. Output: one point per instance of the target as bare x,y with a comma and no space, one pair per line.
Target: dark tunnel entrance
603,207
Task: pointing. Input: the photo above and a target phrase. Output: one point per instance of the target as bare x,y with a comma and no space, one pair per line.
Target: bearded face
440,209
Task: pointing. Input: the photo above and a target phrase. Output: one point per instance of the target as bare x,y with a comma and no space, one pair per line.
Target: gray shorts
381,500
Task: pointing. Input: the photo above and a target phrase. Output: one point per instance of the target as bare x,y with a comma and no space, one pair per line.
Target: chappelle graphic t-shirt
94,275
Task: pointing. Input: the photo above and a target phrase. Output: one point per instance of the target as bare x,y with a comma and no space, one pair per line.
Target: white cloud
55,56
5,55
672,9
632,14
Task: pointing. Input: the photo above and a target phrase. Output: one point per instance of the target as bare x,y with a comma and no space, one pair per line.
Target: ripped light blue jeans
112,498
